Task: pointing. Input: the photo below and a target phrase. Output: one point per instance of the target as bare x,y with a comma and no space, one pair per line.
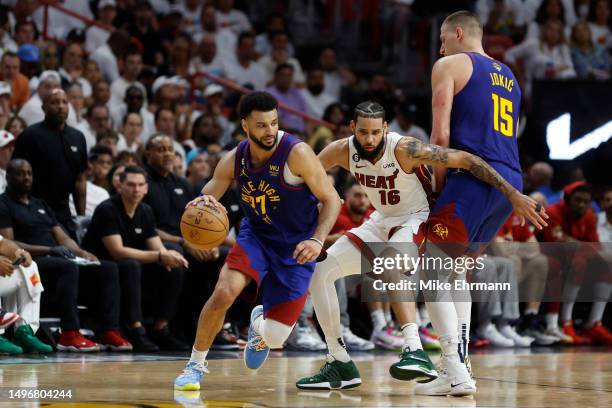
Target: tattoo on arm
427,152
483,171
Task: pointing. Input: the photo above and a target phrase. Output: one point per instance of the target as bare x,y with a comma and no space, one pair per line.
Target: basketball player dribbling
391,169
281,182
476,106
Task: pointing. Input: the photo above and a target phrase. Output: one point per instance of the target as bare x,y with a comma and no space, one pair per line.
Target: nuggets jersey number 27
485,114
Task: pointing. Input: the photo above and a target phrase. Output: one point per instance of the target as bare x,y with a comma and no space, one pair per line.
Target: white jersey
392,192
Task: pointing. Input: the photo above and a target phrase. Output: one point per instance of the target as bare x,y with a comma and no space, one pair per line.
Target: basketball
204,227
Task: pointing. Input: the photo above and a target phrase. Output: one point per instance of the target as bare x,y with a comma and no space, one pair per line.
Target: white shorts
389,229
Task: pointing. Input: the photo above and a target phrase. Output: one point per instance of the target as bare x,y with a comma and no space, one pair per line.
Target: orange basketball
204,227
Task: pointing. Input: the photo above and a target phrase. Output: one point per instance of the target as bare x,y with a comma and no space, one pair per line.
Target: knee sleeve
274,333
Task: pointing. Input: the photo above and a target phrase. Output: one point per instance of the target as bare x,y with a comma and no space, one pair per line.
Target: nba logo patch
138,230
74,149
497,66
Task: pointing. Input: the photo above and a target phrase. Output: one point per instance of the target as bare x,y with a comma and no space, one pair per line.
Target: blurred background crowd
151,88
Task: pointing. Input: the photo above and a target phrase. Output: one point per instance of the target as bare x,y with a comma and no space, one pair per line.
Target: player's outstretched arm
303,163
417,153
335,154
219,183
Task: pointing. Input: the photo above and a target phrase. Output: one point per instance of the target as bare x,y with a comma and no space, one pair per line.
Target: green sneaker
24,337
334,375
414,365
6,347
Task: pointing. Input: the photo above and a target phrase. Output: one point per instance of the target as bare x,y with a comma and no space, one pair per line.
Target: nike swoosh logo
361,167
419,359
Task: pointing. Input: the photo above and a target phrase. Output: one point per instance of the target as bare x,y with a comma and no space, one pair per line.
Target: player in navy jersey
281,182
476,105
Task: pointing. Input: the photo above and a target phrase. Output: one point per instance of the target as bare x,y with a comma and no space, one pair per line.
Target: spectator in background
336,76
92,72
134,103
198,169
336,114
77,100
58,155
97,119
101,93
107,55
5,103
178,165
504,17
6,41
25,32
604,220
314,94
548,10
190,10
225,39
123,230
279,54
72,68
32,111
7,146
108,138
9,73
540,178
590,60
229,17
165,123
263,42
29,54
246,70
284,91
96,36
130,139
179,56
214,106
546,58
207,133
533,8
403,123
100,162
207,58
15,125
132,67
142,29
49,56
599,23
32,224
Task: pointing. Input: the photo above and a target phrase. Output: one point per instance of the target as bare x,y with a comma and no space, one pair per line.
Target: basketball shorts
279,279
469,212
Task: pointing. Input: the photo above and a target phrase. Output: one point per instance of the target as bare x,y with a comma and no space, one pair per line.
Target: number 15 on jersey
503,122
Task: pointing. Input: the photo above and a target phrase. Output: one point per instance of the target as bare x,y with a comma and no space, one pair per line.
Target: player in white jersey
391,169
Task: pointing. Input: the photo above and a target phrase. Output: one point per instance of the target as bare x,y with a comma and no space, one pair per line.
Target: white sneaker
519,341
302,338
555,331
496,339
354,342
453,379
385,340
541,338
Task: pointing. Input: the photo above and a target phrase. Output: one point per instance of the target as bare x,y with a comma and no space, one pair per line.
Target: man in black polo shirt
58,155
32,224
123,229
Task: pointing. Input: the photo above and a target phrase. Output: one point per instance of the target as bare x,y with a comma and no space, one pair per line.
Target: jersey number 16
502,115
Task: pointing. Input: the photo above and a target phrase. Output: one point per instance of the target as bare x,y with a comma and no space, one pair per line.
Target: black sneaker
226,340
166,340
140,341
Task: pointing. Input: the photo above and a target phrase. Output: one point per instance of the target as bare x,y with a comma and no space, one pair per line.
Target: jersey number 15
502,115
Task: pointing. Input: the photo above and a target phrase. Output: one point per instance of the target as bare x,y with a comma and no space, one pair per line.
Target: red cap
569,189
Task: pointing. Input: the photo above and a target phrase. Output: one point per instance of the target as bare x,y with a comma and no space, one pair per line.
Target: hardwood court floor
568,378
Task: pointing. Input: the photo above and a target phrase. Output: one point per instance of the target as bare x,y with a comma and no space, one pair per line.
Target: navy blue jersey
277,212
485,114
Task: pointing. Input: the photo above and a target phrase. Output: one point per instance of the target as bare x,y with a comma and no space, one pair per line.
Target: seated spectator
549,57
32,224
32,111
245,70
165,123
503,17
100,162
10,73
96,120
123,230
15,125
207,59
403,123
314,94
548,10
74,92
224,38
132,67
108,138
29,54
279,54
134,103
113,178
229,17
101,94
599,23
178,165
25,32
20,289
96,36
106,56
92,73
198,169
263,42
179,56
142,29
215,105
49,58
336,76
590,60
72,68
336,114
284,91
128,159
7,146
130,139
206,132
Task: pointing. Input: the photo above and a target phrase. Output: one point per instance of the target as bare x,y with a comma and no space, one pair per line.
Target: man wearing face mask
314,94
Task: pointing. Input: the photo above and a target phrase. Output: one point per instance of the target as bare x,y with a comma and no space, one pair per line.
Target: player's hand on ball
528,208
205,201
307,251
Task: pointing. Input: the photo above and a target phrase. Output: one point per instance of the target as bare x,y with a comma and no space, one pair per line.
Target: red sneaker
71,340
7,318
577,340
112,340
599,334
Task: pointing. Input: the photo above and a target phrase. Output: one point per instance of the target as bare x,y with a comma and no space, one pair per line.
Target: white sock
378,319
450,348
422,312
337,349
411,337
444,320
464,317
552,320
566,311
198,357
597,311
388,317
570,292
530,311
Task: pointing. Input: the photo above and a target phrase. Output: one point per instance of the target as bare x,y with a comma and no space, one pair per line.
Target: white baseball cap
50,75
213,89
106,3
6,138
5,88
159,82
